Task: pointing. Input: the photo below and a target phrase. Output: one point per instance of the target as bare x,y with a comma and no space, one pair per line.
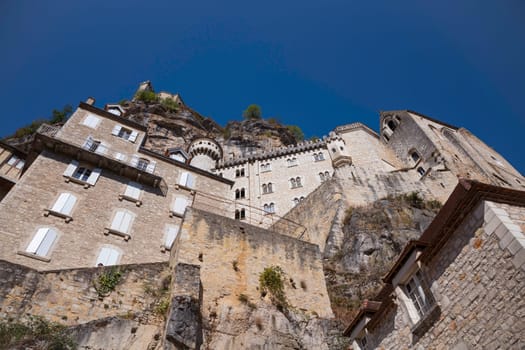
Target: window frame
125,133
69,202
112,249
87,181
131,188
36,242
129,216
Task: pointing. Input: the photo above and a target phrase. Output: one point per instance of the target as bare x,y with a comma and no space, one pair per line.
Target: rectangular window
171,234
16,162
63,206
42,242
122,221
179,206
416,292
91,121
186,180
82,174
125,133
133,190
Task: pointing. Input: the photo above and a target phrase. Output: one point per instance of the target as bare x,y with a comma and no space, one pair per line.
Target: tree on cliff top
253,112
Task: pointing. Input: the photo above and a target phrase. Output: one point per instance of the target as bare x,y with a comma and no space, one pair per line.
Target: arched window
316,157
270,187
321,176
293,183
237,214
415,156
298,182
296,201
421,171
243,193
392,125
265,208
326,175
107,256
272,208
237,194
243,214
265,188
237,173
301,199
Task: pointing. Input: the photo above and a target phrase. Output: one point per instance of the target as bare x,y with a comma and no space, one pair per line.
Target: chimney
90,101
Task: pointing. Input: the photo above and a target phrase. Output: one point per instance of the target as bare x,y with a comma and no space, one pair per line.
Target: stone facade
12,162
474,284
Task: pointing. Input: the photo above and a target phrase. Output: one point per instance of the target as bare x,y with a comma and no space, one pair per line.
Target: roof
419,115
112,116
465,197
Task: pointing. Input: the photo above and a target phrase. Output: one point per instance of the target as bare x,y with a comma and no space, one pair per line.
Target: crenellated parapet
276,153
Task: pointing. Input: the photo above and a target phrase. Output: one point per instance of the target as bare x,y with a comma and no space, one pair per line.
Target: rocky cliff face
373,235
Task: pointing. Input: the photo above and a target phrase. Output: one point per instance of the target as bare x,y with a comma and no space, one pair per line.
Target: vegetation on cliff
35,333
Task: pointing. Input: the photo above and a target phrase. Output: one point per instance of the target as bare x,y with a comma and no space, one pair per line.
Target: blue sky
314,64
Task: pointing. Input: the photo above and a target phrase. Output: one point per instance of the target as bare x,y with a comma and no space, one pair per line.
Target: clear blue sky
315,64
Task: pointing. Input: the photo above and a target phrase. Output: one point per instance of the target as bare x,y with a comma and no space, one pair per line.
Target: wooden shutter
134,162
126,222
190,181
183,179
113,257
47,242
91,121
179,206
70,170
116,130
133,190
60,202
107,256
37,240
70,203
93,177
171,235
151,167
133,136
117,220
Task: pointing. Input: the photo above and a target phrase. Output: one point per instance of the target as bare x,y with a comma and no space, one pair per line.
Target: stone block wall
478,281
231,255
69,296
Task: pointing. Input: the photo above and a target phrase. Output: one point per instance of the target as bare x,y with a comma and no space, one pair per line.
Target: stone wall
479,288
69,296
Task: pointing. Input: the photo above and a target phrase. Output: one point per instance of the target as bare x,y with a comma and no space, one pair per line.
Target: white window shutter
133,190
120,156
37,239
126,223
151,167
47,242
134,161
103,256
190,181
91,121
70,203
179,206
102,149
116,130
133,136
70,170
171,235
117,220
92,179
60,203
183,179
113,257
89,142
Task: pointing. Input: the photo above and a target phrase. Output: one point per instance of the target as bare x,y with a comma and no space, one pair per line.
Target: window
16,162
42,242
361,341
143,164
63,206
169,236
291,162
132,192
121,223
269,208
392,125
94,146
415,157
321,176
240,214
296,182
91,121
295,201
177,155
125,133
266,167
239,172
107,256
187,180
420,300
179,206
326,175
82,174
240,193
267,188
318,156
421,171
293,184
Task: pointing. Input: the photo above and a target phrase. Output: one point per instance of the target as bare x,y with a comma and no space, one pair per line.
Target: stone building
461,285
12,162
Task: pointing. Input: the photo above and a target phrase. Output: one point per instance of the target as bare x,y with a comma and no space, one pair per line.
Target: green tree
59,116
253,112
296,132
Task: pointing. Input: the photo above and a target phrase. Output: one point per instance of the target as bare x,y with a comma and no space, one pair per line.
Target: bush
296,132
36,333
107,281
146,96
414,199
170,104
253,112
271,281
